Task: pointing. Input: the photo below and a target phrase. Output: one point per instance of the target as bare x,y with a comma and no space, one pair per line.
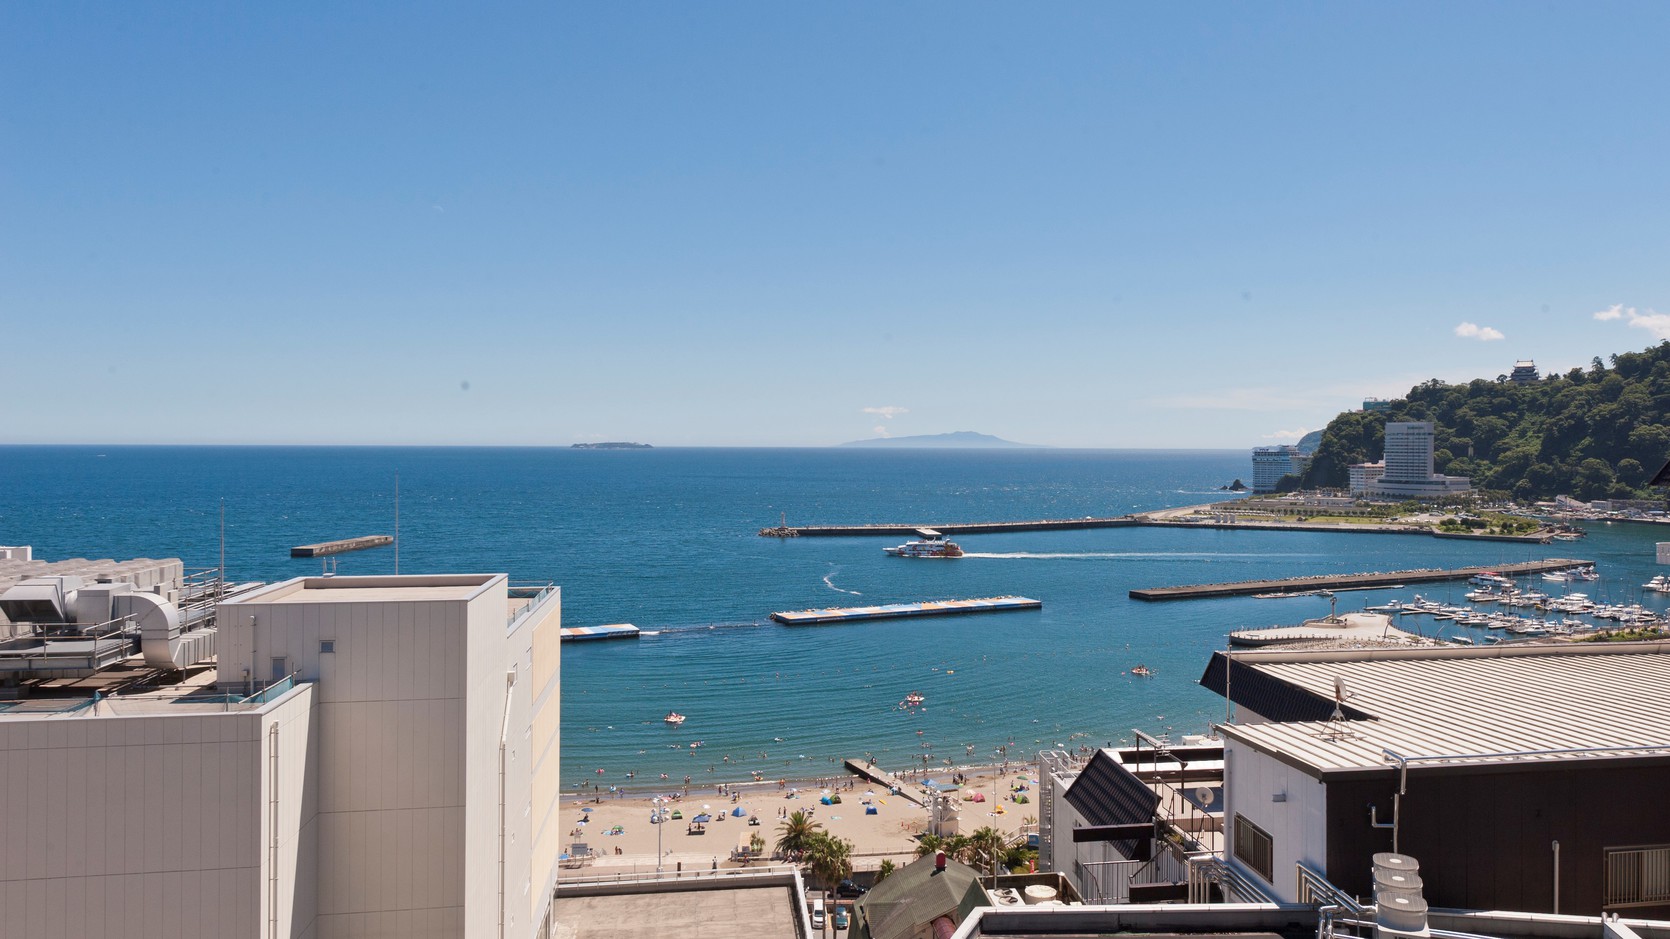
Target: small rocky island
612,445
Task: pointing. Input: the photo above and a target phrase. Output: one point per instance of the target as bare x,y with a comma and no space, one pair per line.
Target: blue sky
1096,225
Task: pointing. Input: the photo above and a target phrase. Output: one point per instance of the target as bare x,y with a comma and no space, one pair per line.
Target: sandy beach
890,832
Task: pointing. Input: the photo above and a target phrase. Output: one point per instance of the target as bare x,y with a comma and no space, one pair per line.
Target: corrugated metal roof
1269,696
1492,701
1106,793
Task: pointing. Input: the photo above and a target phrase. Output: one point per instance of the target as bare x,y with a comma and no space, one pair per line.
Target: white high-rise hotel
1408,465
1270,464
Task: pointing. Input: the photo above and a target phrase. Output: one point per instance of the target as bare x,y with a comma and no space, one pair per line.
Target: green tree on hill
1594,433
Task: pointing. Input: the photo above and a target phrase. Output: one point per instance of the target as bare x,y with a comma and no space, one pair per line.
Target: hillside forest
1595,433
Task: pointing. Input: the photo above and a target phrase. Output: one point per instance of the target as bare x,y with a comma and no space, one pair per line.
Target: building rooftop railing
535,594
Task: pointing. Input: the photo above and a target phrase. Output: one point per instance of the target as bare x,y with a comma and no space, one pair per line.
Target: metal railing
535,594
1107,882
1637,876
1208,869
601,877
1315,890
273,691
91,647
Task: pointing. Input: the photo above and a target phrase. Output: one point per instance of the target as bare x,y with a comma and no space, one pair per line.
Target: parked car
817,913
840,917
847,889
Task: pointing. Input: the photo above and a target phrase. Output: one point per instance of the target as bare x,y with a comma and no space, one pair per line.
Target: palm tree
985,848
1019,857
887,867
954,846
830,859
794,835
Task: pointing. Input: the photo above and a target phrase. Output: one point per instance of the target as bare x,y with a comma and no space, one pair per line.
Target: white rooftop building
1362,477
380,759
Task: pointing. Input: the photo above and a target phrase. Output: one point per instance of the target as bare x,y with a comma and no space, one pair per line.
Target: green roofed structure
912,899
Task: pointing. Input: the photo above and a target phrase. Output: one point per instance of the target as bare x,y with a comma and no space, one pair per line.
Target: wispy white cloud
1652,321
887,413
881,431
1481,333
1287,434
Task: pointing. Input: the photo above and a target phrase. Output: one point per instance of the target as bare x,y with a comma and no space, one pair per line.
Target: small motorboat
673,718
1143,671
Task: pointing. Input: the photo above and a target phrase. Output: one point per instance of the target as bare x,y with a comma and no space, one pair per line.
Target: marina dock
852,614
341,545
611,631
1350,581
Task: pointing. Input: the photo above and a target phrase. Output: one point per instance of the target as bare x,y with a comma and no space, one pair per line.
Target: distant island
612,445
957,440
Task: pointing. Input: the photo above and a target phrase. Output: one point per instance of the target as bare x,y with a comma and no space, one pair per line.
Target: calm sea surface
666,539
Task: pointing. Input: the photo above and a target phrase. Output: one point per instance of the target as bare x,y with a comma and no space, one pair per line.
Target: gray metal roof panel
1471,701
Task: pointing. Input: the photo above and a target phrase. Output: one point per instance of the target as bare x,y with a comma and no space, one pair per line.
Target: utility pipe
504,736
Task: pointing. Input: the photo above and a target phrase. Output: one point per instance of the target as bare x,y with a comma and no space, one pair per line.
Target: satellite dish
1339,690
1204,796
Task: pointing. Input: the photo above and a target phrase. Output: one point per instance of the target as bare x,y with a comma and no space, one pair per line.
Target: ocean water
666,539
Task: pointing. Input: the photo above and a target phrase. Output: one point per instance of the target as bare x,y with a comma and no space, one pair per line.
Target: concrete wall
488,695
1297,825
1484,833
153,826
289,817
542,753
392,723
425,828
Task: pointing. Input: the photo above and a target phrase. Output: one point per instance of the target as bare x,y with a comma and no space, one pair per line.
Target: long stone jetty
341,545
960,528
1347,581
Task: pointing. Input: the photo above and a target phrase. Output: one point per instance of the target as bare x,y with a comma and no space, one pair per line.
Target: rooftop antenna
397,522
1337,728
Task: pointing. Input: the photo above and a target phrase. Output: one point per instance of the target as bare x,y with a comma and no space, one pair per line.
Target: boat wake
1128,555
829,581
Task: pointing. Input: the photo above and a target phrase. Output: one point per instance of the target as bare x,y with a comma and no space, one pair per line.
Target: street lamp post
660,822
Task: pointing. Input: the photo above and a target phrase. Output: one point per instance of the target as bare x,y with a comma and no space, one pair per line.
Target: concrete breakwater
1126,521
1347,581
340,545
961,528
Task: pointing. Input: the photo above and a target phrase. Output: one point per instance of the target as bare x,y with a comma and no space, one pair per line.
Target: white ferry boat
932,545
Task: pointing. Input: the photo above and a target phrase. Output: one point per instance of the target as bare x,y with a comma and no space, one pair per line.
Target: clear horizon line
561,446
